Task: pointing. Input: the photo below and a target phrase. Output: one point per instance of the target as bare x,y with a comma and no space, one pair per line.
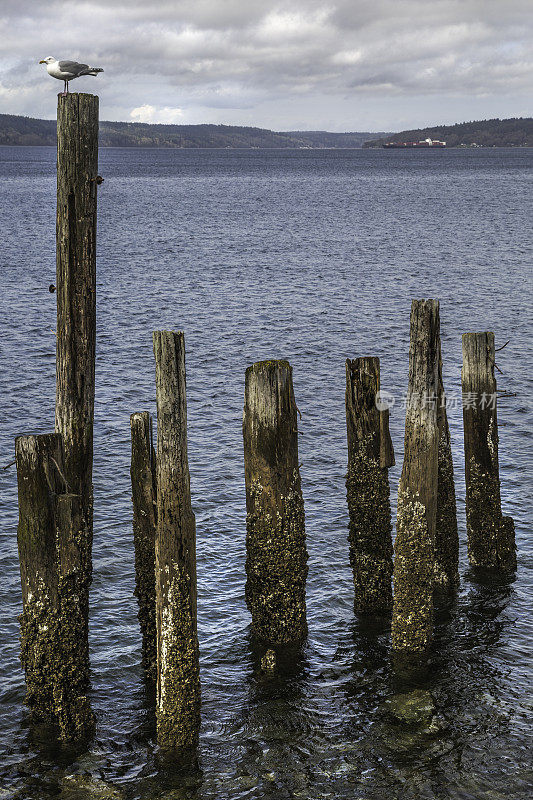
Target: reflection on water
311,256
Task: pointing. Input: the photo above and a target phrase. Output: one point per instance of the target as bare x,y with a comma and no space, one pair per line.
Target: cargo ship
421,143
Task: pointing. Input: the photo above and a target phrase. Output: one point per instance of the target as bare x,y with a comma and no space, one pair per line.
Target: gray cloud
273,64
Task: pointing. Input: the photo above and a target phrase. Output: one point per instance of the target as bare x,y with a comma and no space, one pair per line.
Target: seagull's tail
94,70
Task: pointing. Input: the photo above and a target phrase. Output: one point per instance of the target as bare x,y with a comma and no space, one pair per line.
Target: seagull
68,70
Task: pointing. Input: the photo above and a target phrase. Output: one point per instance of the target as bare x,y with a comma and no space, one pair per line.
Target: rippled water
313,256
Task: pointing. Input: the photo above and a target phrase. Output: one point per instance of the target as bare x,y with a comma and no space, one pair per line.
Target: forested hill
16,130
336,140
515,132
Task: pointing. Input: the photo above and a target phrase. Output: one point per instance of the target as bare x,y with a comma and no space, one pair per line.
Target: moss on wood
178,679
276,563
144,495
54,548
491,540
414,549
276,566
446,533
412,619
178,706
491,536
368,493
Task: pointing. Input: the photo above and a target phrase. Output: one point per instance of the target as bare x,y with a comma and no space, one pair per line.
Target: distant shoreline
285,149
20,131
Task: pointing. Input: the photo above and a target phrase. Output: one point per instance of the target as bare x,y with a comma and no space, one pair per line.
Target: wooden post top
362,362
479,333
65,97
479,357
78,100
269,397
263,367
364,415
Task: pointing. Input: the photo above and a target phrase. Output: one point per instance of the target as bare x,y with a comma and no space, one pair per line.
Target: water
312,256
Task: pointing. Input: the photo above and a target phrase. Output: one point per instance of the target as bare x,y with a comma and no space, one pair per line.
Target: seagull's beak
42,62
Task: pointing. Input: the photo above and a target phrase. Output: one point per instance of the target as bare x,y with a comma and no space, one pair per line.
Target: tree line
515,132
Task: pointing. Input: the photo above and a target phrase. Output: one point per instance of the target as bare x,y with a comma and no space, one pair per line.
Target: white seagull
68,70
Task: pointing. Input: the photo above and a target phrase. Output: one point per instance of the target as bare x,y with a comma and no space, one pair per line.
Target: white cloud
347,57
165,116
278,26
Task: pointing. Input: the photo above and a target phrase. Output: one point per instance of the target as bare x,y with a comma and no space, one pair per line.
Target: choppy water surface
310,256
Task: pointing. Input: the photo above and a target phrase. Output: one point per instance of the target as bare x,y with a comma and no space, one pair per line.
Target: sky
338,65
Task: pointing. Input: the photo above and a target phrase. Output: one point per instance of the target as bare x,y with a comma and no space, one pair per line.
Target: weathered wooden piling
144,496
178,672
414,558
370,454
446,532
52,538
491,536
77,168
276,563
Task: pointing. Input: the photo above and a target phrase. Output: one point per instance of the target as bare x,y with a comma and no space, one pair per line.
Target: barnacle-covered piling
367,486
491,536
446,533
77,169
144,496
276,563
53,551
414,557
178,671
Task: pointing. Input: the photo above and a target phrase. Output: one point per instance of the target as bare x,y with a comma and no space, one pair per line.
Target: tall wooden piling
414,561
491,537
178,673
446,532
77,168
51,541
276,563
144,496
370,454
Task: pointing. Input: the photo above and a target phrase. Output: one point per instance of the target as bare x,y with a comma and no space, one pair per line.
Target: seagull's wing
73,67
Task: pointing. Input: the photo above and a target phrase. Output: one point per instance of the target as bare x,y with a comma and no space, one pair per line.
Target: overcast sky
337,65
